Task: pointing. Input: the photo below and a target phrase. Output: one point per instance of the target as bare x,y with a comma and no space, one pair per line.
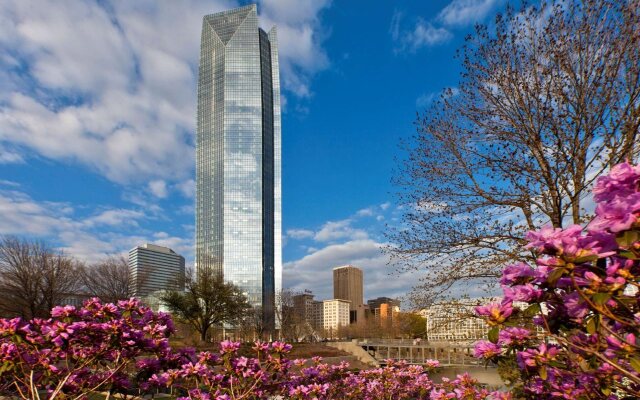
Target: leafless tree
549,98
288,317
110,279
33,278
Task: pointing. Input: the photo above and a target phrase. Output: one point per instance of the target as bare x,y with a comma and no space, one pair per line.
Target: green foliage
207,301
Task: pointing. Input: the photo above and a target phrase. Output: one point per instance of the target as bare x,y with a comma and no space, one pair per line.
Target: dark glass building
238,189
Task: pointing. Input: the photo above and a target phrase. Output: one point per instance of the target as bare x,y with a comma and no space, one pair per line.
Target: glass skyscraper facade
238,174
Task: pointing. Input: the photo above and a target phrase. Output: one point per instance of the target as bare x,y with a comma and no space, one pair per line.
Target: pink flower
62,311
537,357
513,336
487,350
628,345
515,273
227,346
497,313
622,181
280,347
570,243
526,293
616,215
575,307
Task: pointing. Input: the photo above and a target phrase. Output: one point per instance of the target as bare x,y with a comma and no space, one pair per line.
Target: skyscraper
154,268
238,189
348,285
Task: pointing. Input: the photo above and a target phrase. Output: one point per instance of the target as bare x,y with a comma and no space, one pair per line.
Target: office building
348,285
155,268
307,309
377,302
238,174
335,313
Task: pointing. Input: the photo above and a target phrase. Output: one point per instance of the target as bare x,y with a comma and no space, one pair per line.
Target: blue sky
97,120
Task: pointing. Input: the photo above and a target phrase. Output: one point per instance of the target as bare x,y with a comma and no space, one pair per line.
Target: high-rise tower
238,189
348,285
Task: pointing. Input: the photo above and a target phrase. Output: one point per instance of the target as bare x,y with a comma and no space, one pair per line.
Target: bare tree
110,280
547,102
287,316
33,278
252,326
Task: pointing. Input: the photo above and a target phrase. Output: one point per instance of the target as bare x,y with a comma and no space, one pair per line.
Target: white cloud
466,12
300,233
20,214
336,230
188,188
300,36
425,100
111,84
83,238
9,156
423,34
158,188
9,183
116,217
366,212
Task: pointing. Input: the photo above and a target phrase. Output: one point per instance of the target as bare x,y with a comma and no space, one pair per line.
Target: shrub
583,297
123,348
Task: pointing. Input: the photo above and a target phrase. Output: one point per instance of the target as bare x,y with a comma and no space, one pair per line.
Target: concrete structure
335,313
154,268
238,174
348,285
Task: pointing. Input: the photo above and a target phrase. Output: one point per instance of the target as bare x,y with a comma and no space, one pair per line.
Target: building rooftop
347,266
155,247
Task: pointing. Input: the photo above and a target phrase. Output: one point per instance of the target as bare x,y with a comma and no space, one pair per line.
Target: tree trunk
203,334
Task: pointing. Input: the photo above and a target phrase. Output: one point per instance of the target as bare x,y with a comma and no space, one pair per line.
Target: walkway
449,355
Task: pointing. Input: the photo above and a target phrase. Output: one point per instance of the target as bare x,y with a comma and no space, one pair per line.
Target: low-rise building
384,309
455,321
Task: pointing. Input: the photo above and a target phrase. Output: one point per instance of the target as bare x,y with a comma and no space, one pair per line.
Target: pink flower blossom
497,313
487,350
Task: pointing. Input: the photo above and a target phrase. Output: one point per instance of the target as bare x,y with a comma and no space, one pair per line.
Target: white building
455,321
335,313
155,268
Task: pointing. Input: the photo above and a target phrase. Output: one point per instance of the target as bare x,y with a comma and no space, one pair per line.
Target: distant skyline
97,123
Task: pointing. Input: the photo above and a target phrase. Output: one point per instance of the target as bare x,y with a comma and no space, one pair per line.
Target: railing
415,352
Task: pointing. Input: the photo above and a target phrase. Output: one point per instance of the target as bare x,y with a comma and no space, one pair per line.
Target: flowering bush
584,300
81,350
226,376
124,348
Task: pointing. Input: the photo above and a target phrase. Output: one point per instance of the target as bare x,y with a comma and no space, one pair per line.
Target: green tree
411,324
207,301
